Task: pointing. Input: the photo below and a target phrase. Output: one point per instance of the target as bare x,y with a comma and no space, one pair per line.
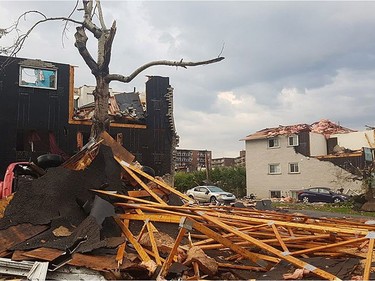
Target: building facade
223,162
280,161
189,160
38,105
239,161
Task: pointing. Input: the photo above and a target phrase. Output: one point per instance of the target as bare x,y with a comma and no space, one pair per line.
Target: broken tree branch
127,79
101,18
81,39
18,44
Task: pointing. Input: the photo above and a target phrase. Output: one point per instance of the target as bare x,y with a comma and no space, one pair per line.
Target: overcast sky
285,62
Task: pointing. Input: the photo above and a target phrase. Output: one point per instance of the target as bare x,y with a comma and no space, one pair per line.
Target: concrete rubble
100,216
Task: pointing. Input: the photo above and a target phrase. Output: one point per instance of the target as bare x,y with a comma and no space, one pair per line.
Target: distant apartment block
192,160
230,162
241,160
222,162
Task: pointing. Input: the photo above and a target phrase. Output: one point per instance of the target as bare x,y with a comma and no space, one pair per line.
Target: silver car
210,193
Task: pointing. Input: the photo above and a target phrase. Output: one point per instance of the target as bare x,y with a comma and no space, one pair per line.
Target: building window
38,77
293,168
275,193
273,143
293,140
274,169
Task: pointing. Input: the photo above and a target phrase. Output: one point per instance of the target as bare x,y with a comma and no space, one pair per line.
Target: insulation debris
102,212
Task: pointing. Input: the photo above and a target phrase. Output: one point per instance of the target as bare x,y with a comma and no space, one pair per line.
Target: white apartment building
282,160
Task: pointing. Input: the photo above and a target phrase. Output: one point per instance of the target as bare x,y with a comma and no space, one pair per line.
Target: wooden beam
141,183
167,264
228,243
153,244
305,226
367,270
162,184
278,237
271,249
151,217
138,247
125,197
240,266
329,246
117,149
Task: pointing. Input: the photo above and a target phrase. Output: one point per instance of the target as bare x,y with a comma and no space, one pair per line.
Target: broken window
273,143
38,77
274,169
293,168
293,140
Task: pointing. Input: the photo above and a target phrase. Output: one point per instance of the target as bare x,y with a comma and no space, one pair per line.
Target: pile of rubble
99,216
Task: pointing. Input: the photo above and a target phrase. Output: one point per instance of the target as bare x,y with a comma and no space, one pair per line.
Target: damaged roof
121,107
324,126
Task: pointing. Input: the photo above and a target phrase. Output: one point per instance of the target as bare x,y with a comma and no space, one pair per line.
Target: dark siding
159,136
304,143
352,164
26,110
331,143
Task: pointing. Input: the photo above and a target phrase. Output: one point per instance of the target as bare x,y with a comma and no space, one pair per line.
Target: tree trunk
100,119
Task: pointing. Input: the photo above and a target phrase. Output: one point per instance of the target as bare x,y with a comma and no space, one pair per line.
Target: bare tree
99,67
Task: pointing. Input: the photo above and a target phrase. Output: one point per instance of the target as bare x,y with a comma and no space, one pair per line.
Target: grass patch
347,208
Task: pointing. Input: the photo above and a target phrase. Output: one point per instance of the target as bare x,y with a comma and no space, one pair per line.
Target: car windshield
215,189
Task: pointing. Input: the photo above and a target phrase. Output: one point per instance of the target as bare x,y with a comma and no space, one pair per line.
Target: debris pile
103,214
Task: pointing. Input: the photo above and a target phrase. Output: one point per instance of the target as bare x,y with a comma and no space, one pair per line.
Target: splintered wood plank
328,246
154,209
166,265
141,183
367,270
228,243
125,163
138,247
16,234
117,149
271,249
305,226
240,266
120,253
144,193
209,240
278,237
153,243
151,217
125,197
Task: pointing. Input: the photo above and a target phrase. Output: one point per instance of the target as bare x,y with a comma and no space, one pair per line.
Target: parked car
321,194
210,193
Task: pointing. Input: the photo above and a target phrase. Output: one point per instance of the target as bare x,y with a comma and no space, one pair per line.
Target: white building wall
85,94
356,140
313,172
318,144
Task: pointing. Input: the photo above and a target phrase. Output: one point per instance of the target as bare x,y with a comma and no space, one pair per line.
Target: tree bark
100,119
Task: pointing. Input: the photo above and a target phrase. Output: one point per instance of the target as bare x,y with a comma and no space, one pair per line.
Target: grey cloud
324,50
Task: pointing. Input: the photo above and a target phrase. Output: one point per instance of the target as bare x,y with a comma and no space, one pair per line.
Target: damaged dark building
37,109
